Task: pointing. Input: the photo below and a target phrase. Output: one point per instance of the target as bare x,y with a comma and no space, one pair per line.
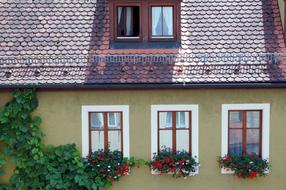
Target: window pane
253,119
157,25
97,120
97,140
128,21
235,120
252,141
114,140
162,21
165,120
235,141
182,120
182,137
114,120
167,21
165,138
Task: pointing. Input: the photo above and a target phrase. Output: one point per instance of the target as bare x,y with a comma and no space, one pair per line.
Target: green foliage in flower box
110,165
245,166
179,164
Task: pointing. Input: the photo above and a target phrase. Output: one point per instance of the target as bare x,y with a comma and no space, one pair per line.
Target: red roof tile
74,28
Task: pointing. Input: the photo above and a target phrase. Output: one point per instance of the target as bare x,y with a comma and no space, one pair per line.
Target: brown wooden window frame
115,16
176,18
174,130
105,129
284,29
244,129
145,9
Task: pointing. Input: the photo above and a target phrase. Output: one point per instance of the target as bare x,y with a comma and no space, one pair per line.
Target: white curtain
253,119
114,137
183,142
97,140
167,21
111,120
97,120
182,120
114,120
235,119
165,119
252,141
165,138
114,140
119,14
182,136
157,21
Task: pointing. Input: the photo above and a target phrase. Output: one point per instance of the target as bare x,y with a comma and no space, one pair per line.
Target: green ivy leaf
40,167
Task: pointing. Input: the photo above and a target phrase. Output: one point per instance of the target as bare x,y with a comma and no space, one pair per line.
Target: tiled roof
59,28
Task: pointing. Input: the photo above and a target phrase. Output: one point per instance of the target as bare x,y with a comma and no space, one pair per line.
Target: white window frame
86,109
194,130
265,107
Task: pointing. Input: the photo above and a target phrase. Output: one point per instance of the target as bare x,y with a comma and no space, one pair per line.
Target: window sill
144,45
154,172
128,38
226,171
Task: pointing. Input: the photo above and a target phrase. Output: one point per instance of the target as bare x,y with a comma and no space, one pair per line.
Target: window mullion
89,131
162,17
190,132
244,130
260,133
105,131
174,131
158,129
121,130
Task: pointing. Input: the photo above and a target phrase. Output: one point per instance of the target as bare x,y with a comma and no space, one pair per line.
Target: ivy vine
39,167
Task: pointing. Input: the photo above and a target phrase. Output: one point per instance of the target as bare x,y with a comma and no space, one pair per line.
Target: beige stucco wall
61,114
282,10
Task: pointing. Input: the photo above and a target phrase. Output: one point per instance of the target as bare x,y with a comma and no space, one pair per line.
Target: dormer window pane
128,21
162,21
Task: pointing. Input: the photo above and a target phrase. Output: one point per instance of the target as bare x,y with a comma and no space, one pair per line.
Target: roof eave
148,86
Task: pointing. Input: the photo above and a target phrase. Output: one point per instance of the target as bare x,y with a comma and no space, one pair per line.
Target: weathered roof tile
65,28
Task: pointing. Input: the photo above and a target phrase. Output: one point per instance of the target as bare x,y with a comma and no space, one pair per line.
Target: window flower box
109,165
178,164
244,166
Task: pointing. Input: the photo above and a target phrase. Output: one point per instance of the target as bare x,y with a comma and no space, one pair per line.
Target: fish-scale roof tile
65,28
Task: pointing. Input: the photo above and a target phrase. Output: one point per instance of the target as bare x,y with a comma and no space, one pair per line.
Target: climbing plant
40,167
2,163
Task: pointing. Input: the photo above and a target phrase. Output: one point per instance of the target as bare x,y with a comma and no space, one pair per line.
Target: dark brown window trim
176,19
114,18
284,29
174,130
244,129
105,129
145,20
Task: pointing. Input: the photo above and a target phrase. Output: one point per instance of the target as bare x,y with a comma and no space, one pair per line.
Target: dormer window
128,21
145,21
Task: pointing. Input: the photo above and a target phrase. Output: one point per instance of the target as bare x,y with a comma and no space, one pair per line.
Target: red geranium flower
123,174
159,165
125,168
